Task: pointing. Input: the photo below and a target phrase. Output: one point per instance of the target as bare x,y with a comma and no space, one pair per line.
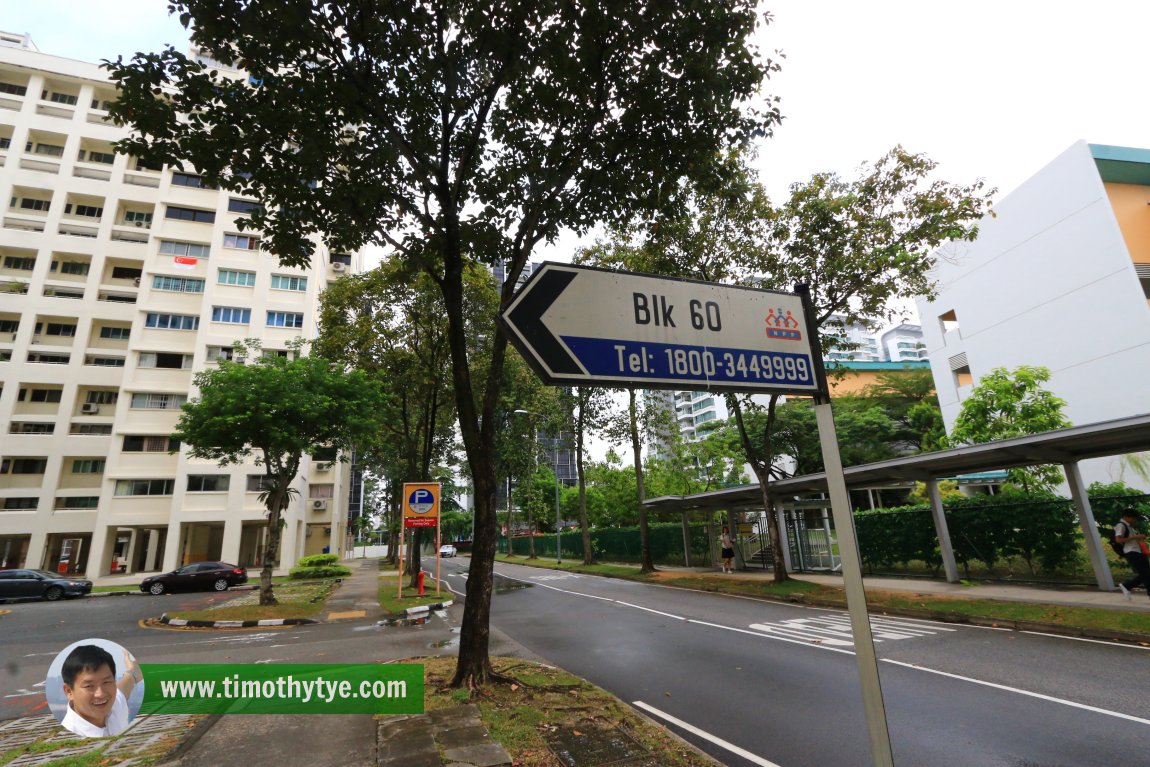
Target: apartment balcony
39,165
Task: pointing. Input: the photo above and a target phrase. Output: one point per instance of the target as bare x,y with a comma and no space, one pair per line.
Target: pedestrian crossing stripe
835,630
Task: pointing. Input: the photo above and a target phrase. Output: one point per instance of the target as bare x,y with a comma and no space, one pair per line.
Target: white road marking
648,609
23,693
705,735
1027,693
761,635
1084,639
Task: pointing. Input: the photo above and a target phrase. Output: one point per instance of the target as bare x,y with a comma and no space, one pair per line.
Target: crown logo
782,325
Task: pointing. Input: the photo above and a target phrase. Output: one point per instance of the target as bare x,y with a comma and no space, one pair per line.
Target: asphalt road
35,632
757,683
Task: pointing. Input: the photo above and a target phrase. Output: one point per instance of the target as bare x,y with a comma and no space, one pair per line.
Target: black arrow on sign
527,319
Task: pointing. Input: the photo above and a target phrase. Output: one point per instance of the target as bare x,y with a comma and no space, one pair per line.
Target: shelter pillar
1089,529
944,544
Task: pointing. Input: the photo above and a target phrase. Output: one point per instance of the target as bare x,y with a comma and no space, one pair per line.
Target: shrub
318,560
320,571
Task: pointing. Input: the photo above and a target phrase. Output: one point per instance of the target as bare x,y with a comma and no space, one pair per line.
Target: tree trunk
414,565
584,527
762,468
646,566
474,665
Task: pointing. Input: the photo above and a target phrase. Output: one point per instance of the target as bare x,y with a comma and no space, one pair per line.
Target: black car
40,584
197,576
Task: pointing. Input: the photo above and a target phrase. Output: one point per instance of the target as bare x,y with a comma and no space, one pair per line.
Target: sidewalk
418,741
1078,596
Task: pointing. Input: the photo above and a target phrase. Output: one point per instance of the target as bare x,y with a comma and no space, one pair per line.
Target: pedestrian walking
1134,551
728,546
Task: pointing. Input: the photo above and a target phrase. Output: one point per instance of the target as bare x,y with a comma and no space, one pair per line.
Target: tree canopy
276,410
452,133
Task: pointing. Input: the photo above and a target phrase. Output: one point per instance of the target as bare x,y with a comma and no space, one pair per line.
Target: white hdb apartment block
118,282
1059,277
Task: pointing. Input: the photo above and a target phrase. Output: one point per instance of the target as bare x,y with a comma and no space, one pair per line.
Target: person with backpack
1133,551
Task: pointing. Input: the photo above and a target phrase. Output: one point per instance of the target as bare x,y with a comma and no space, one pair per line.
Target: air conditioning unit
320,505
323,466
89,408
338,266
239,360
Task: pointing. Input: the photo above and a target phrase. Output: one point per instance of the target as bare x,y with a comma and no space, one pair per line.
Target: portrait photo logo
94,688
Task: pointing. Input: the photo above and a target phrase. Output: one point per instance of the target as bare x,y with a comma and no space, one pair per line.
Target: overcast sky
989,88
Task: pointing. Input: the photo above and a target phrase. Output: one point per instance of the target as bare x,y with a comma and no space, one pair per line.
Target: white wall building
118,281
1059,277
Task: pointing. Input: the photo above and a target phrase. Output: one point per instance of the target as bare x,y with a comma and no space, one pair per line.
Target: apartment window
232,277
39,395
172,321
321,491
105,362
216,353
31,427
145,486
177,284
21,503
115,334
91,429
143,218
190,214
285,282
15,90
166,361
40,358
190,179
60,98
948,321
88,466
257,483
78,502
104,158
5,142
285,320
126,273
19,262
56,329
52,150
153,401
241,242
102,397
244,206
79,268
28,203
90,211
193,249
9,326
23,465
231,314
136,443
208,483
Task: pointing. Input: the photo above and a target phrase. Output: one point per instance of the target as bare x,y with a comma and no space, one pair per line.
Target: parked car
40,584
447,550
197,576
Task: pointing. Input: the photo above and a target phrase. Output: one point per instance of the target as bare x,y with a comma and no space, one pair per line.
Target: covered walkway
1065,447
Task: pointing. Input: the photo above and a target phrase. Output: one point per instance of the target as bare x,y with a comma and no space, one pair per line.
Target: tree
908,398
1008,404
452,133
275,410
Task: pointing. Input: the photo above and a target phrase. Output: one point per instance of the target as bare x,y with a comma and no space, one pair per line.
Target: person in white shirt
1134,551
97,703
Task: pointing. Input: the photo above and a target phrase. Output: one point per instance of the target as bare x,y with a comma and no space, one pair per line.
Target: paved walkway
430,740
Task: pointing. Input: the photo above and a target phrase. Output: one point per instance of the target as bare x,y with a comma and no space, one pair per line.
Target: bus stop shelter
1065,447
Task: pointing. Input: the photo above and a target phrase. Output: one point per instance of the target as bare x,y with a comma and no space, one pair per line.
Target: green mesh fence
622,545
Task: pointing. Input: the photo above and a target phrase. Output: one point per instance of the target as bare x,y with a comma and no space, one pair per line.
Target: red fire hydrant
419,580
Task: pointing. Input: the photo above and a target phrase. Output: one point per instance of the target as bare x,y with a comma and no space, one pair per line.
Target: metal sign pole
873,707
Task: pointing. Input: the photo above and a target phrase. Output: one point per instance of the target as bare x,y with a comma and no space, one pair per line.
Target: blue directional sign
581,325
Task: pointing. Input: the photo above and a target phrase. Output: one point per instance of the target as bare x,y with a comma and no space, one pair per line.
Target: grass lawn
296,600
955,608
547,703
393,604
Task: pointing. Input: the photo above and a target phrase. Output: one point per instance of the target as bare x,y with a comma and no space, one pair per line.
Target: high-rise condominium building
119,281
